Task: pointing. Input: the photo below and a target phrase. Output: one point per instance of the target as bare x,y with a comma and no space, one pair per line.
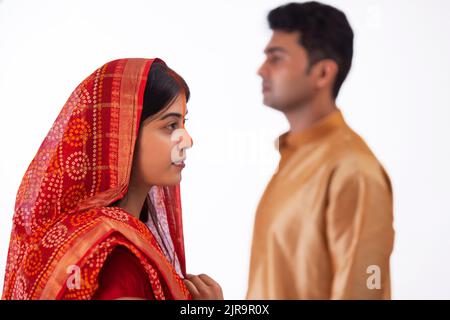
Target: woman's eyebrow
171,114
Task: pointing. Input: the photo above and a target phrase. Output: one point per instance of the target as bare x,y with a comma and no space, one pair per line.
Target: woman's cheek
159,152
156,163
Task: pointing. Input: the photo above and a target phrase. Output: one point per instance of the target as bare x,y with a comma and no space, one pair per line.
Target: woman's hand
203,287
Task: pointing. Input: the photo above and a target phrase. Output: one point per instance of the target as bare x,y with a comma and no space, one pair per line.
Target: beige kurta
324,226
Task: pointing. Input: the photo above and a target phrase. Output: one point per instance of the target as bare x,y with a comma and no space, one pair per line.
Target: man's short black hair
325,33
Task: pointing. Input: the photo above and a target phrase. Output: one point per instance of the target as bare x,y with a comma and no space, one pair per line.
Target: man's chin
271,104
267,101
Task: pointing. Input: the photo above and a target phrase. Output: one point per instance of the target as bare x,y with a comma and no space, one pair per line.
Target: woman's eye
172,126
184,120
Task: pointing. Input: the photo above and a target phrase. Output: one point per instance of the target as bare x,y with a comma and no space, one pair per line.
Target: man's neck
305,116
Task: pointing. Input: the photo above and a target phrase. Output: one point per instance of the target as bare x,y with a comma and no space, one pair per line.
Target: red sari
64,229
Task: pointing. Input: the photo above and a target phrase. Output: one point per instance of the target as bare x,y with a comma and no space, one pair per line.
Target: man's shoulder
352,156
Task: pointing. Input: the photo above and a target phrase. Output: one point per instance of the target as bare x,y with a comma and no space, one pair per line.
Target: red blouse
122,275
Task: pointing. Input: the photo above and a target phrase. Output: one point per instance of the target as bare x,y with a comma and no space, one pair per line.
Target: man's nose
262,70
259,71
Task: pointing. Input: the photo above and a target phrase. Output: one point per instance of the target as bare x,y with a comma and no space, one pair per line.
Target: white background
396,97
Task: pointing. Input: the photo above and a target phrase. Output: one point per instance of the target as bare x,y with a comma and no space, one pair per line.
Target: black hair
163,86
325,33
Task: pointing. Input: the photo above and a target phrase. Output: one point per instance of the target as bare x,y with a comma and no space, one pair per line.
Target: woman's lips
180,165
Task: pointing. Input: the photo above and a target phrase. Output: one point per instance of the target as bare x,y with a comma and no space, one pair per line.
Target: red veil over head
63,227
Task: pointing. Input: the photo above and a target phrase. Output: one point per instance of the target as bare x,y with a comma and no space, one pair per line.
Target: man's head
309,54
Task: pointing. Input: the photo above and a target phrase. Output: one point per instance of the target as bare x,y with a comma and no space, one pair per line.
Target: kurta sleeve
121,276
360,234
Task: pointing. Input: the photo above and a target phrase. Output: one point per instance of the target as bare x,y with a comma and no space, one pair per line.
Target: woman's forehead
178,105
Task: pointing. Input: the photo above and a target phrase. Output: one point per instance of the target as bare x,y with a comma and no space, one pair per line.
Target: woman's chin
173,180
177,180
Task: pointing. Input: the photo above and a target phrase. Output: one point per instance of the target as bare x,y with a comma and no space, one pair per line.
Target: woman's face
161,145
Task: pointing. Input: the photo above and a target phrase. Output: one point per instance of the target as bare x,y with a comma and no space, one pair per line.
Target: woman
98,212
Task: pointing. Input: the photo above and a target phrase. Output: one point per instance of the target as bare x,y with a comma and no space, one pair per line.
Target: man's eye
274,59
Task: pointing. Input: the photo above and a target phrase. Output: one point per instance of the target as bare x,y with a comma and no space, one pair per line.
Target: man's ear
326,71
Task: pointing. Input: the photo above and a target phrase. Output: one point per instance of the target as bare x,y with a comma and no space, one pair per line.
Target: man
323,228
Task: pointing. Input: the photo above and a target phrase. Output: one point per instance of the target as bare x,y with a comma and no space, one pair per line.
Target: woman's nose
190,138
